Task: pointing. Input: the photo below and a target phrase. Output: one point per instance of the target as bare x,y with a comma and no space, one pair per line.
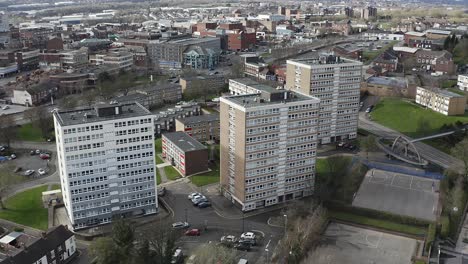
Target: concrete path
162,165
163,175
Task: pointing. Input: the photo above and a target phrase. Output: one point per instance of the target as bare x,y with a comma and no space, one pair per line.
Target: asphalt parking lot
28,162
354,245
12,109
399,194
217,226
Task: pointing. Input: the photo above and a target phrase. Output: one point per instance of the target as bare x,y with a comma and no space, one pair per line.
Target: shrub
18,229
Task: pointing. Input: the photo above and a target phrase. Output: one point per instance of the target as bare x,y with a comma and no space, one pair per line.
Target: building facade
442,101
106,163
268,147
202,127
185,153
463,82
336,82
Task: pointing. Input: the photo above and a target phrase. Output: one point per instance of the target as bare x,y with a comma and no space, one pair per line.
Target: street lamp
285,223
186,215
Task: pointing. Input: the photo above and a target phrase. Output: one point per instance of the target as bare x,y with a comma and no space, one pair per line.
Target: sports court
399,194
355,245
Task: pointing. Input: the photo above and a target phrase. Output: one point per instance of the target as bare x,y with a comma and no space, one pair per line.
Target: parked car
5,107
201,200
242,246
41,171
180,225
192,232
251,242
3,148
32,152
247,235
197,199
13,156
44,156
28,172
38,151
228,240
204,204
192,195
178,257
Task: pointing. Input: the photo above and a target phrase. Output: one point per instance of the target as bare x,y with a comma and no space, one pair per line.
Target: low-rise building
463,82
122,59
151,96
74,59
388,60
387,87
165,120
437,61
212,82
185,153
57,245
31,96
202,127
442,101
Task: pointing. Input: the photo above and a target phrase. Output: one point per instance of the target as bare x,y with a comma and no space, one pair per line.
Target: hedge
337,206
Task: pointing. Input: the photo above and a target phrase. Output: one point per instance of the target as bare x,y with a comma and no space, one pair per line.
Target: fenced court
399,194
355,245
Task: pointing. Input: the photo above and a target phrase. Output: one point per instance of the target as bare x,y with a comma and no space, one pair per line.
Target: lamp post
186,215
285,223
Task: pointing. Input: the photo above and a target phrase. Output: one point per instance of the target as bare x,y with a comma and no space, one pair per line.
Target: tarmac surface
399,194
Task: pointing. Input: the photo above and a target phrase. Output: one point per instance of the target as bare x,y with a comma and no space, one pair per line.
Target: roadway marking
376,245
411,183
266,247
263,234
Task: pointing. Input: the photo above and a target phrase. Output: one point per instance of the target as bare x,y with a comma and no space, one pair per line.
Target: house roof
183,141
54,237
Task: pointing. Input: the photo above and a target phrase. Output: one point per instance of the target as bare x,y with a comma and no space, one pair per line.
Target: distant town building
437,61
368,12
185,153
442,101
349,11
31,96
204,82
336,82
153,95
106,163
463,82
202,127
165,120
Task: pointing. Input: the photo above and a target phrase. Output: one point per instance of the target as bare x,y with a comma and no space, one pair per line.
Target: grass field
158,145
171,173
158,177
159,160
206,178
26,208
378,223
405,117
28,132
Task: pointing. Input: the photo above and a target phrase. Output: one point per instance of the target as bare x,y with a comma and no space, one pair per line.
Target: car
178,257
247,235
38,151
251,242
41,171
204,204
32,153
190,196
180,225
242,246
201,200
13,156
44,156
197,199
229,239
5,107
2,148
192,232
28,172
341,144
368,110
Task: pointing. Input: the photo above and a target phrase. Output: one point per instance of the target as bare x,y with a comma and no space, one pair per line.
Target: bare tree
213,254
8,129
461,152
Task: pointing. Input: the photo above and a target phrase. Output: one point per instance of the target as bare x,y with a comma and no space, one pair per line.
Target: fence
404,170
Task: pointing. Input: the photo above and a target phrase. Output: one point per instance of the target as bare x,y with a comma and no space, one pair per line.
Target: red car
192,232
44,156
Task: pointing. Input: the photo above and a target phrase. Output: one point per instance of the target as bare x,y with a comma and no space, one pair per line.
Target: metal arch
406,142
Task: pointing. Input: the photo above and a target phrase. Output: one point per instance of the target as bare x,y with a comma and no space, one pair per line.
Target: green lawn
206,178
406,117
55,186
171,173
449,83
158,145
159,160
158,177
26,208
29,133
348,217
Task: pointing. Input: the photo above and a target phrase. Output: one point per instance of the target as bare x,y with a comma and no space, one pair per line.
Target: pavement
399,194
354,245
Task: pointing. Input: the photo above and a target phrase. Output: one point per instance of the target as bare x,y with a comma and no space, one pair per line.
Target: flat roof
183,141
442,91
255,100
323,59
199,119
90,115
10,237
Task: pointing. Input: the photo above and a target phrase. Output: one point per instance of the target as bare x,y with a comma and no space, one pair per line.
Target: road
427,152
217,226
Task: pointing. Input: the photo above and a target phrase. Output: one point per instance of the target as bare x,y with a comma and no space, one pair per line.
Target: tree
104,251
213,254
8,129
118,248
460,151
368,144
460,52
43,121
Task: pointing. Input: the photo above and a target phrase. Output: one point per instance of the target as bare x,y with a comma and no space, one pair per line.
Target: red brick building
230,26
241,40
202,26
437,61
